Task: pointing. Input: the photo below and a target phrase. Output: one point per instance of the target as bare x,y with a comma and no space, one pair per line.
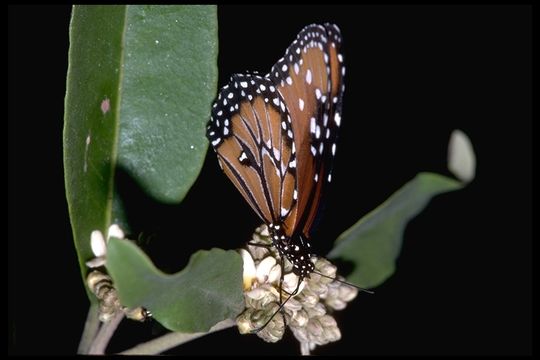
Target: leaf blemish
105,106
88,140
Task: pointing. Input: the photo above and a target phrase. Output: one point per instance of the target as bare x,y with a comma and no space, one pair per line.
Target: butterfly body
275,137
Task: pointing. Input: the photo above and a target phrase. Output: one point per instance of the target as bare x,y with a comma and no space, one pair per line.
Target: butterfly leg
267,246
281,278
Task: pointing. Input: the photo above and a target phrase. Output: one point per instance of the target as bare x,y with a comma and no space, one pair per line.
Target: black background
414,73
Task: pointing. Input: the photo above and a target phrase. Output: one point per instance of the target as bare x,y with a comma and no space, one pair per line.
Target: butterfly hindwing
309,78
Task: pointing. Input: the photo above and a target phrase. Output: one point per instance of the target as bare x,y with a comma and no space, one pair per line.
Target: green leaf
206,292
374,242
140,84
169,83
90,135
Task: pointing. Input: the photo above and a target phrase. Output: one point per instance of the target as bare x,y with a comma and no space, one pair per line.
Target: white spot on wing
308,76
292,164
277,154
337,118
290,134
301,104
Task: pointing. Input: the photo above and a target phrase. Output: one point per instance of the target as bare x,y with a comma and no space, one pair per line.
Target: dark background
414,73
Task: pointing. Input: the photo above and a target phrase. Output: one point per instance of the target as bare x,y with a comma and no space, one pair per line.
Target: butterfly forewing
251,133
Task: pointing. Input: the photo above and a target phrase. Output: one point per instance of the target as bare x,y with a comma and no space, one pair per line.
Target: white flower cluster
102,285
307,313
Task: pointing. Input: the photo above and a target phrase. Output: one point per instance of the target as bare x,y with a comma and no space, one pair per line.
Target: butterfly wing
250,130
275,136
310,80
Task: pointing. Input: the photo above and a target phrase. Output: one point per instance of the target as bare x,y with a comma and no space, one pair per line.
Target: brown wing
310,80
251,133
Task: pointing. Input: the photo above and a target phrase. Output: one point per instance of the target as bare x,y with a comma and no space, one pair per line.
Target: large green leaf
169,82
90,134
206,292
374,242
139,87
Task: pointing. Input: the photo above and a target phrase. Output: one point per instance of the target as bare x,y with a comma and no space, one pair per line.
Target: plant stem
104,335
91,327
172,340
304,349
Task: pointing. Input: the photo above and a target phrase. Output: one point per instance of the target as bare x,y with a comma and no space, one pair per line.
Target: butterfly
275,137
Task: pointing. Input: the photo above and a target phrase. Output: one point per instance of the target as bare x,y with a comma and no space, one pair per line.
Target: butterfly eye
275,137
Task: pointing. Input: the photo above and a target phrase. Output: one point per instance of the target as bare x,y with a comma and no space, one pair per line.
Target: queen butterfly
275,137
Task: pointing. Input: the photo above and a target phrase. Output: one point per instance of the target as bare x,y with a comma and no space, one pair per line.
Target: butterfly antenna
345,282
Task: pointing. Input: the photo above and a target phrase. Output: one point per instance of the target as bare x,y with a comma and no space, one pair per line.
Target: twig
172,340
304,349
104,335
91,327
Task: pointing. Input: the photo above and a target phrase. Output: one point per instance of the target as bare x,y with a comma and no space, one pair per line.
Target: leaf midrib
114,150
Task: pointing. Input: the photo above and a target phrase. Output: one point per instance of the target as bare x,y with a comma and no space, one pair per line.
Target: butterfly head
295,249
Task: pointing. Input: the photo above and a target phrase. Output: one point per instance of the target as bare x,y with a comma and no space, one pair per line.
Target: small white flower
99,245
115,231
461,157
97,242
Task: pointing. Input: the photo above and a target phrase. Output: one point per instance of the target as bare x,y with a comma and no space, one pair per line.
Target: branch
91,327
104,335
173,339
